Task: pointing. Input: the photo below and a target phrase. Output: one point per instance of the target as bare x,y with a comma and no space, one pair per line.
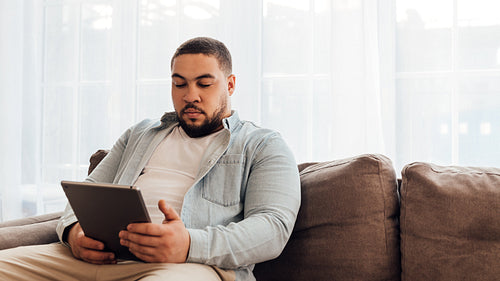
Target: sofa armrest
29,231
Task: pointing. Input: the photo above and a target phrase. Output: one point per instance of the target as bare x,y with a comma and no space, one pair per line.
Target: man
232,189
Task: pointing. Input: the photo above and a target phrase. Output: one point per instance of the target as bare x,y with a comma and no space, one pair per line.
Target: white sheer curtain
414,80
20,107
448,82
11,86
75,74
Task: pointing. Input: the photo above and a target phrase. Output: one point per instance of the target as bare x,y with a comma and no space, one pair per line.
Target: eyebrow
208,75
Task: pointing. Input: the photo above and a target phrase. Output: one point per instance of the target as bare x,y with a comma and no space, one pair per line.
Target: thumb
169,212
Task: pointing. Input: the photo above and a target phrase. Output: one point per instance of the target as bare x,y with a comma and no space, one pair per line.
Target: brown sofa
357,223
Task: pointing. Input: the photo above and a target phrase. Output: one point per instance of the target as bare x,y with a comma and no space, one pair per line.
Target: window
414,80
447,82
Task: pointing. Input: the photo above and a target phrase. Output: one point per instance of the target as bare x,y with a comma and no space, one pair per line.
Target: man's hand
167,242
88,249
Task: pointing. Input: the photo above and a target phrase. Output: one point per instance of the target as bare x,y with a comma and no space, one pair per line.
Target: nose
191,95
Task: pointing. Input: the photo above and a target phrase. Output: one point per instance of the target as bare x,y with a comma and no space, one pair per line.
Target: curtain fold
356,83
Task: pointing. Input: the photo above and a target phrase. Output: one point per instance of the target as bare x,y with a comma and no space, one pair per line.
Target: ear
231,84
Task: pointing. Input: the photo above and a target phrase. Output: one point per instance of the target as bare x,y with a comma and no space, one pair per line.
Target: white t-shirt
171,171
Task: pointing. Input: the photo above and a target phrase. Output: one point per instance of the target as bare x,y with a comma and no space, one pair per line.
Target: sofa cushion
29,231
347,225
96,158
450,223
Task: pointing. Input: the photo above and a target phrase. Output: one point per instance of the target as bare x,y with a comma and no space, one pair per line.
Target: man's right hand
88,249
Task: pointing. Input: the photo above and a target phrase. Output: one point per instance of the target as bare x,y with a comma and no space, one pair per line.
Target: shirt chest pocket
223,183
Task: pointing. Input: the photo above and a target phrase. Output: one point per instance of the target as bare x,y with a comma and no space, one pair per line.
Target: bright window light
444,129
463,128
485,128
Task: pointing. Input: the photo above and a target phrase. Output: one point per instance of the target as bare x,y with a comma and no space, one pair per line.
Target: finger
149,229
97,257
169,212
144,253
139,239
145,258
89,243
141,250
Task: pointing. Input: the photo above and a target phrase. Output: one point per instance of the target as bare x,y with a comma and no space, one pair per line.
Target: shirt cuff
64,226
198,248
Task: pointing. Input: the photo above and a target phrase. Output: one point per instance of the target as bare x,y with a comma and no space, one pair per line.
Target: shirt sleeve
272,201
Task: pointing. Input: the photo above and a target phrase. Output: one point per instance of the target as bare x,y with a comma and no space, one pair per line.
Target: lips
192,115
192,112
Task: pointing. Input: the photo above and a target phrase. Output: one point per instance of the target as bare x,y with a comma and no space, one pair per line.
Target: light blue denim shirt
242,207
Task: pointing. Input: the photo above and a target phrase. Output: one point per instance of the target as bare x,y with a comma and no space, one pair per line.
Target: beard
210,125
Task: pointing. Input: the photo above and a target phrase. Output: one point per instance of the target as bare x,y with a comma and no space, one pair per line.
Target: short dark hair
207,46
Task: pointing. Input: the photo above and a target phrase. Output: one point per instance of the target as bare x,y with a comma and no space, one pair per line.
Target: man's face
200,93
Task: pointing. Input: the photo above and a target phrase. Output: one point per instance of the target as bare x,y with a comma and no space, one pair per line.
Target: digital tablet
103,210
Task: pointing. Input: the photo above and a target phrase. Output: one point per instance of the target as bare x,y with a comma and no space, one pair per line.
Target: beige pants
55,262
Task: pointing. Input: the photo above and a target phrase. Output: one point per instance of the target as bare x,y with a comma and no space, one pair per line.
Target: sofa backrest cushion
450,223
347,226
96,158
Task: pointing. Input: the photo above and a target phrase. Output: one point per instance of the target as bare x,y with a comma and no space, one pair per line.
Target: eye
180,85
204,84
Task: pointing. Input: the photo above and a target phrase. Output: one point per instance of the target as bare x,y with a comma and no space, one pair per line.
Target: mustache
192,106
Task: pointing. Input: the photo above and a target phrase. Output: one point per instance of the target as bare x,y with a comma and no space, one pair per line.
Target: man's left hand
167,242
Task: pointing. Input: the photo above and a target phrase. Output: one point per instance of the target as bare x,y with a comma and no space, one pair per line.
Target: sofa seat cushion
450,223
347,226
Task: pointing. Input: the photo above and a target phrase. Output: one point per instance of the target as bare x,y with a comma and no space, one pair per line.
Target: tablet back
103,210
